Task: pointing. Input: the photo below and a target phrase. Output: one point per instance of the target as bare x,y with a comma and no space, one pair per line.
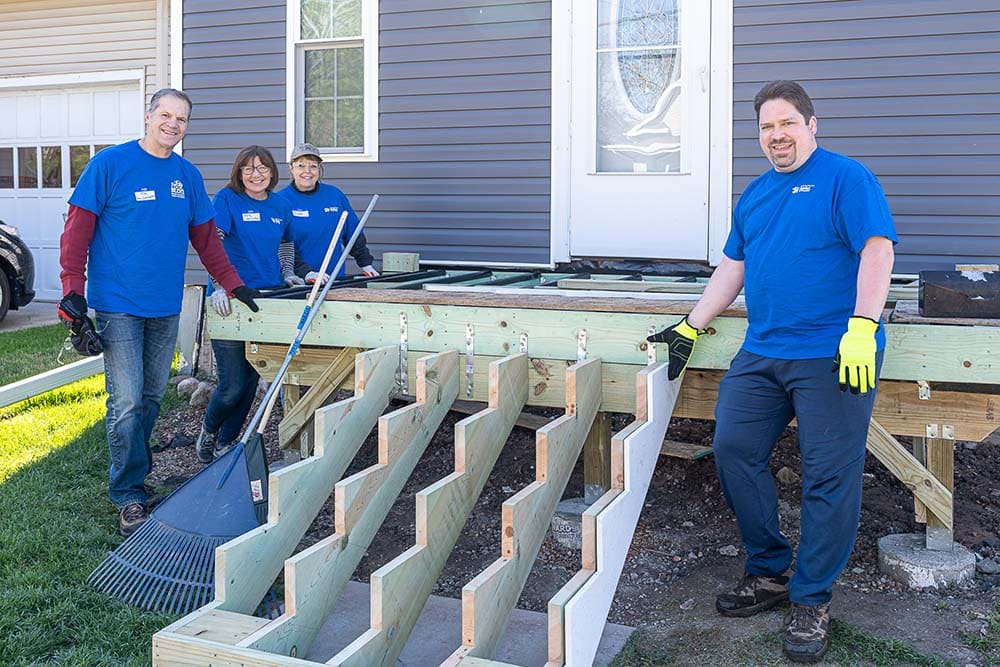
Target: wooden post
597,459
400,262
941,464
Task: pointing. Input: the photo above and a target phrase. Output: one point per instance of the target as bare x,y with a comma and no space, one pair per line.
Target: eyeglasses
261,169
305,166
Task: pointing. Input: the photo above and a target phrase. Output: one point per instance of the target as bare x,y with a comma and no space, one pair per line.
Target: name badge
299,213
145,195
251,216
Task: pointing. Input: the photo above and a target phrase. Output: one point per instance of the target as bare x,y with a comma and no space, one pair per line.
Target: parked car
17,271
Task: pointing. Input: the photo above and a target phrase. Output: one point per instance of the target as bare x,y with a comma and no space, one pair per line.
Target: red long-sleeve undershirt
74,245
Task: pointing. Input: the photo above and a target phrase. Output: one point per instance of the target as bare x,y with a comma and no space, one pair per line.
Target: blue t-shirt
316,215
800,235
254,230
144,205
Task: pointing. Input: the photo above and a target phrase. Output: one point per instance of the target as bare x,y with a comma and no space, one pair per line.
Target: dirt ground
686,547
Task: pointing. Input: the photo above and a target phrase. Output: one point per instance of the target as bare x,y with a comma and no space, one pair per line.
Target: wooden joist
315,577
489,598
246,566
608,525
898,407
332,378
400,588
935,353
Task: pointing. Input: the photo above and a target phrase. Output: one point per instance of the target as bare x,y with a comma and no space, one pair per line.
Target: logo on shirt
300,213
177,189
331,209
251,216
276,221
802,188
145,195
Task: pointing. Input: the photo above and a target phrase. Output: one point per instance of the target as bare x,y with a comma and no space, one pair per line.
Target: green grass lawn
56,523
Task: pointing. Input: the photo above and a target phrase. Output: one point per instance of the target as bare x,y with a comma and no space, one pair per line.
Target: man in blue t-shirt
812,245
130,218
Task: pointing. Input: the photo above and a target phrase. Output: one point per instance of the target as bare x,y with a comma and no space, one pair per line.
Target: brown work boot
806,635
130,518
753,595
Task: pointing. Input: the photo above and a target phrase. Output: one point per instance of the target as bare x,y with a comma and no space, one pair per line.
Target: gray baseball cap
305,149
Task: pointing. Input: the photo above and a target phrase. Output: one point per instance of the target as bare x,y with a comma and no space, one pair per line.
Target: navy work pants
758,397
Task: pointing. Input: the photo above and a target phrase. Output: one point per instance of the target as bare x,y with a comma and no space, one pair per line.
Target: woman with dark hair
253,224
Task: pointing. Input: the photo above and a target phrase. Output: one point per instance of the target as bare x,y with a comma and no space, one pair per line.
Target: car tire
4,294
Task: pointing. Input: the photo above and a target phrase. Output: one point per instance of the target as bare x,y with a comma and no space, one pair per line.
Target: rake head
168,564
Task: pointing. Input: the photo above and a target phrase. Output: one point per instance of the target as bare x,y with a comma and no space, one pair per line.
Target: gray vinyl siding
911,88
464,135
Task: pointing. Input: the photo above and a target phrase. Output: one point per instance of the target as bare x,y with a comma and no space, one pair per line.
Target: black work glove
83,336
247,296
680,340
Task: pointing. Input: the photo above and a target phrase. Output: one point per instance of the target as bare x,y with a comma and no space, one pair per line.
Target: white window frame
294,82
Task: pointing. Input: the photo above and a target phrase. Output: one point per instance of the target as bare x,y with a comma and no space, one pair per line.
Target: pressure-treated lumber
246,566
57,377
608,526
939,353
315,577
329,382
597,458
901,463
941,464
489,598
898,407
400,589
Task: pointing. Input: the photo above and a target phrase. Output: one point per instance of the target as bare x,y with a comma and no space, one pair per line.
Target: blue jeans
757,399
230,403
138,352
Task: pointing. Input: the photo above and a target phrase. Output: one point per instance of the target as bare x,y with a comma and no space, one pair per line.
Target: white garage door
48,136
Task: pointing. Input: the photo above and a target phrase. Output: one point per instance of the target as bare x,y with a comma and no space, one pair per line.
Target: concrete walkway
35,314
439,632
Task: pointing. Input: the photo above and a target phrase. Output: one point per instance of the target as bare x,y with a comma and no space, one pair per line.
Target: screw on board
523,347
650,346
923,390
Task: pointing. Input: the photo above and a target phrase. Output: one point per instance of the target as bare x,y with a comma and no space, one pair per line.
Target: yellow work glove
680,340
855,360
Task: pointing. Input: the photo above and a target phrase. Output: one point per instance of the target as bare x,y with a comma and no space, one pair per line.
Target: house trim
61,80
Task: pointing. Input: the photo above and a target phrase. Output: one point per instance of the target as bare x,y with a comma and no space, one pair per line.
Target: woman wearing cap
316,209
253,223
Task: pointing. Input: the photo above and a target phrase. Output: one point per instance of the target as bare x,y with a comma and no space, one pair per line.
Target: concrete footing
906,559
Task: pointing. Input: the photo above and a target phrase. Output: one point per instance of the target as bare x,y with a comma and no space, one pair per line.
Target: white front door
639,120
50,134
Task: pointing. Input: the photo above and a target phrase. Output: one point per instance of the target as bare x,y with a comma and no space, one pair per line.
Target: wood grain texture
400,589
246,566
329,381
488,599
315,577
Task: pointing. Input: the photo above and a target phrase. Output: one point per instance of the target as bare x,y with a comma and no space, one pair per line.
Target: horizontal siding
464,121
75,36
911,88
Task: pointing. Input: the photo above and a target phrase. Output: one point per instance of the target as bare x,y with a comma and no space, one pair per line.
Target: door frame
720,129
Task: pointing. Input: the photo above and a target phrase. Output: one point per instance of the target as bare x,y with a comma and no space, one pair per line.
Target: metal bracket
253,348
923,390
947,431
470,359
523,347
650,346
404,347
931,430
581,345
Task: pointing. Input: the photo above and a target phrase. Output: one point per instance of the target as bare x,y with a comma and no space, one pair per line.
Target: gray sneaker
806,636
753,595
205,447
222,447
